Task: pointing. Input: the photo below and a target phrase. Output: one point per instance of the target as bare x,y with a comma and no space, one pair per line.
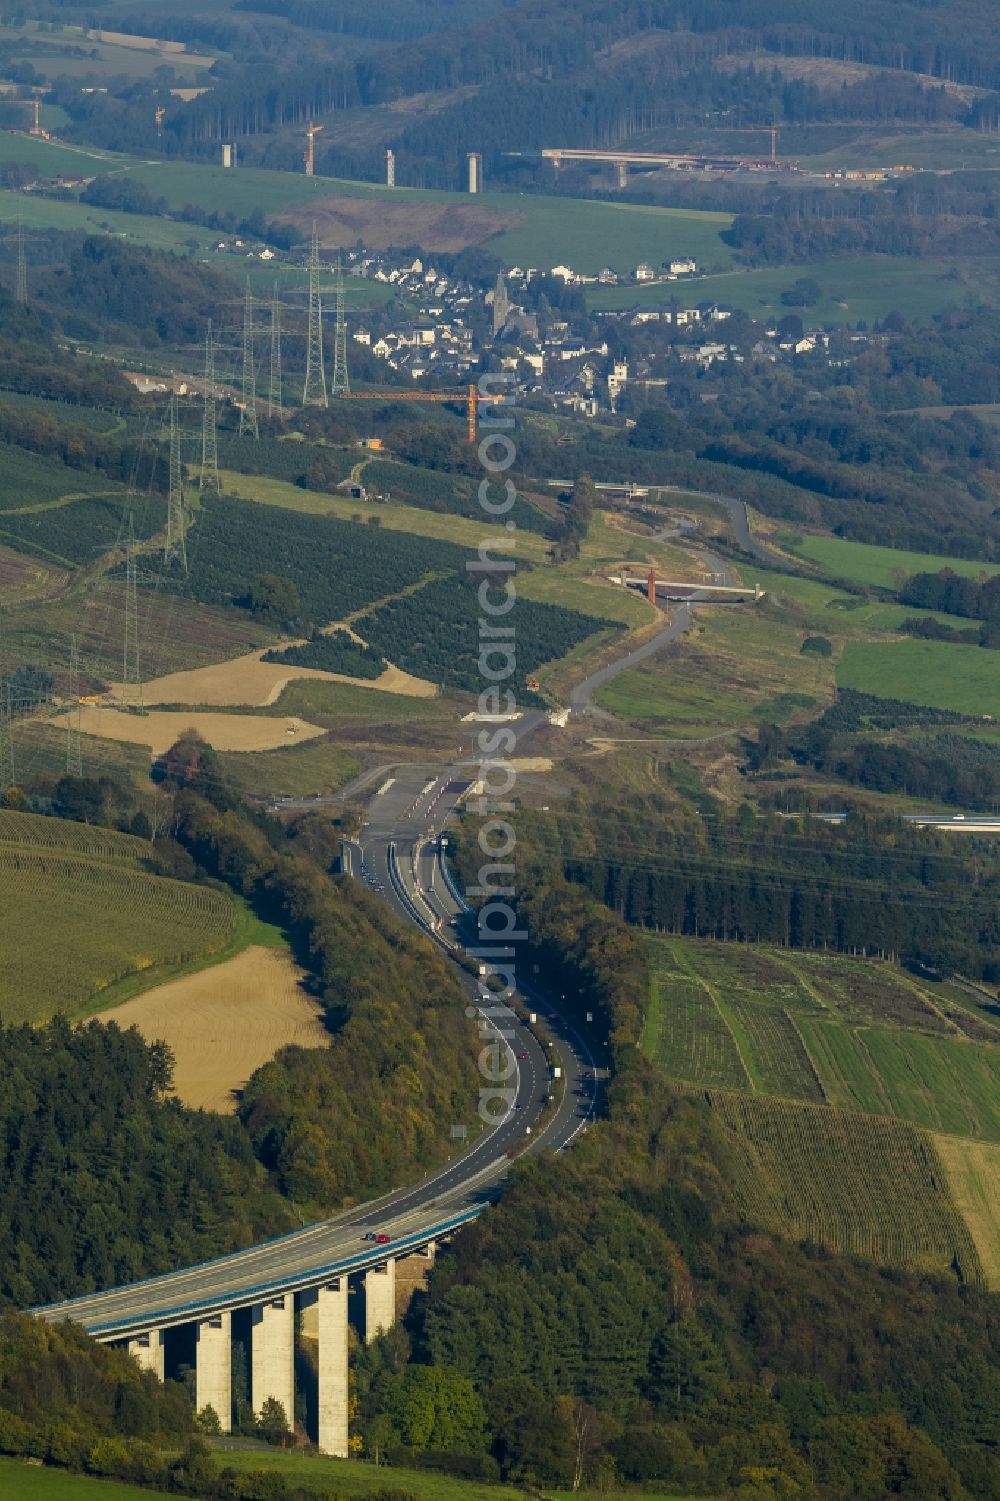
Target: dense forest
517,76
350,1120
638,1331
755,876
104,1178
178,1185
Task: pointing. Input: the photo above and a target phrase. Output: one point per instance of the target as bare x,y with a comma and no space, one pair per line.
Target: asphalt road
398,858
397,854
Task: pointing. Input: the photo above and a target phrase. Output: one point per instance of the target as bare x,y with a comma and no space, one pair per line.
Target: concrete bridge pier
324,1316
272,1353
148,1350
380,1300
214,1367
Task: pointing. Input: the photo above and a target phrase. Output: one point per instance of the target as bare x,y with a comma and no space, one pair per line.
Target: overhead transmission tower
74,751
341,384
314,388
131,688
209,477
274,382
21,275
248,411
7,778
175,550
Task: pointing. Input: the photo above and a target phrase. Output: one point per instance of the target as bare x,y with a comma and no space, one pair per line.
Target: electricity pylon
175,550
248,411
274,383
314,387
74,752
7,778
21,278
131,690
341,383
209,477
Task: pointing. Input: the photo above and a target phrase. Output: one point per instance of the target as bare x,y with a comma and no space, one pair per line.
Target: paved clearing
224,732
225,1021
250,681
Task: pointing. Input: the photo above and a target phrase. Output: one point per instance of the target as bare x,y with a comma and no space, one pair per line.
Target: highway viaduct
318,1280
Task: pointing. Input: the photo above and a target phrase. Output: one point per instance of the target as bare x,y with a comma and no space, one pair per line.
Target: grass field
315,1475
855,288
868,1187
941,674
91,914
825,608
22,1482
687,1036
854,1033
439,525
529,229
864,564
357,1480
738,666
315,767
829,1068
973,1170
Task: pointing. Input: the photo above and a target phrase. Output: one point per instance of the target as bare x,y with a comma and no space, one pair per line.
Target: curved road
398,854
396,843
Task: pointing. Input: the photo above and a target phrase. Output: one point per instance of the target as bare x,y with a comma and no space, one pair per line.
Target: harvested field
250,681
342,221
224,732
224,1022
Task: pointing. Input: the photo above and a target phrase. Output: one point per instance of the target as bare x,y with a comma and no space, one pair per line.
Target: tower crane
470,396
309,156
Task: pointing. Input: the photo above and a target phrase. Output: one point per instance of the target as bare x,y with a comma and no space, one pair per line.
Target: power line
131,693
74,752
248,411
209,478
21,277
7,778
176,547
274,383
341,383
314,387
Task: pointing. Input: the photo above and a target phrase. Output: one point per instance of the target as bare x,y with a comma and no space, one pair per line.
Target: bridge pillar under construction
380,1300
148,1350
272,1354
324,1315
214,1367
621,174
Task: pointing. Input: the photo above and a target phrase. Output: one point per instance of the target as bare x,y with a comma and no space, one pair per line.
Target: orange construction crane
312,131
470,396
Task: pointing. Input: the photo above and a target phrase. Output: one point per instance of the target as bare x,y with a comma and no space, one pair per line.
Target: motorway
397,853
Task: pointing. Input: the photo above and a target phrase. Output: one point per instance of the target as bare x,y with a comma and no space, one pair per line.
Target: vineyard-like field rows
865,1185
79,531
687,1036
38,833
89,914
851,1033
